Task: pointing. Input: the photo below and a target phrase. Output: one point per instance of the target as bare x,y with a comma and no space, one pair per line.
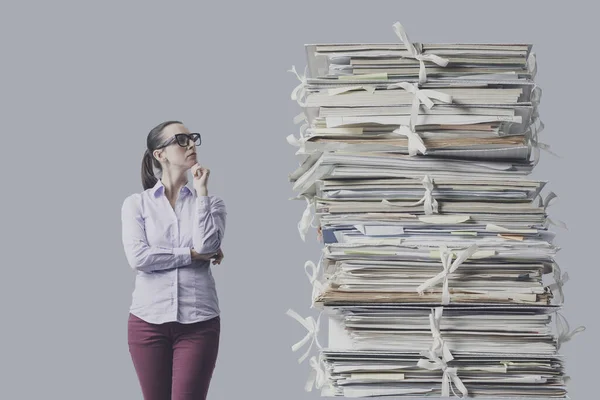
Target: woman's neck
173,183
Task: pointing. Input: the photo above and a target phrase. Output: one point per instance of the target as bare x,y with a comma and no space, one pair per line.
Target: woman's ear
159,155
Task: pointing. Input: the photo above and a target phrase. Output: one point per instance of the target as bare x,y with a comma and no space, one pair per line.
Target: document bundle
437,274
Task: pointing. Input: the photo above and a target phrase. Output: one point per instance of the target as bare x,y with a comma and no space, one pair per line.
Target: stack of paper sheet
438,272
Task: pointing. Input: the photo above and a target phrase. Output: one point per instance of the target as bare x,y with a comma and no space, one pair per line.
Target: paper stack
437,273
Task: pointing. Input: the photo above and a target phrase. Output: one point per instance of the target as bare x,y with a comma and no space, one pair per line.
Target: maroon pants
174,361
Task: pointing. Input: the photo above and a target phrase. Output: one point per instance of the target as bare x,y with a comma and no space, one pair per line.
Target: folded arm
209,224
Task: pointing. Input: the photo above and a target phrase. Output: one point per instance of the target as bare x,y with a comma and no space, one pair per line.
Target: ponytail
153,142
148,178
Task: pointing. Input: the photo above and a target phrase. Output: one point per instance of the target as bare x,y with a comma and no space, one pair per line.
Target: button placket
175,243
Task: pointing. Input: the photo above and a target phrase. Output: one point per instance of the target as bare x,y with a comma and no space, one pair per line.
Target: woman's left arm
209,224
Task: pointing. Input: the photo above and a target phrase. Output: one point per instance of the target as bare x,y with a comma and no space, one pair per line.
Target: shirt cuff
183,255
202,203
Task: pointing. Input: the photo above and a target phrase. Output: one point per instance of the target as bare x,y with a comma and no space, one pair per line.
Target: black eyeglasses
183,139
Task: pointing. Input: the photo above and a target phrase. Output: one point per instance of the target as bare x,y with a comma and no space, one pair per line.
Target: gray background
82,84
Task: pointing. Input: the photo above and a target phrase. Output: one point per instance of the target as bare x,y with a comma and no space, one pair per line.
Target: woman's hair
152,142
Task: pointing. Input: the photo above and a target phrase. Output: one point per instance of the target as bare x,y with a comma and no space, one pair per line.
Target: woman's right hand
203,257
200,179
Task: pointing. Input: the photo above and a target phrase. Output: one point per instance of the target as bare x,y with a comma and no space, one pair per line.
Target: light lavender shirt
157,239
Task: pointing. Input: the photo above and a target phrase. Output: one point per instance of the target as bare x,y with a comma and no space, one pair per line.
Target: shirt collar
159,188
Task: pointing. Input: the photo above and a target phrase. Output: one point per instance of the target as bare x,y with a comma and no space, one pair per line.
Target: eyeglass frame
189,136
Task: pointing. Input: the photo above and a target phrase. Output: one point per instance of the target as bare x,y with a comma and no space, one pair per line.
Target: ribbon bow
312,327
307,219
449,374
294,141
317,285
532,65
438,357
299,92
559,282
416,53
545,203
317,376
439,346
430,204
299,118
536,127
291,139
421,96
415,143
563,330
449,267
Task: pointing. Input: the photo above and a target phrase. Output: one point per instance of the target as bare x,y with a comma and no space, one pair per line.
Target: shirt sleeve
139,254
209,225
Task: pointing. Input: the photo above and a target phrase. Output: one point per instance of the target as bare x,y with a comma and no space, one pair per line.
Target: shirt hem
185,322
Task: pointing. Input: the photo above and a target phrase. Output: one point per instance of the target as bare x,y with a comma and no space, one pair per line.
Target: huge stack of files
438,272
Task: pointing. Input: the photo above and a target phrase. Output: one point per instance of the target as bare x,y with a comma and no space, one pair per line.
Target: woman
171,232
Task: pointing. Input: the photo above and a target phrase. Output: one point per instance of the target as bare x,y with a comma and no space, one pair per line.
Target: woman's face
178,156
